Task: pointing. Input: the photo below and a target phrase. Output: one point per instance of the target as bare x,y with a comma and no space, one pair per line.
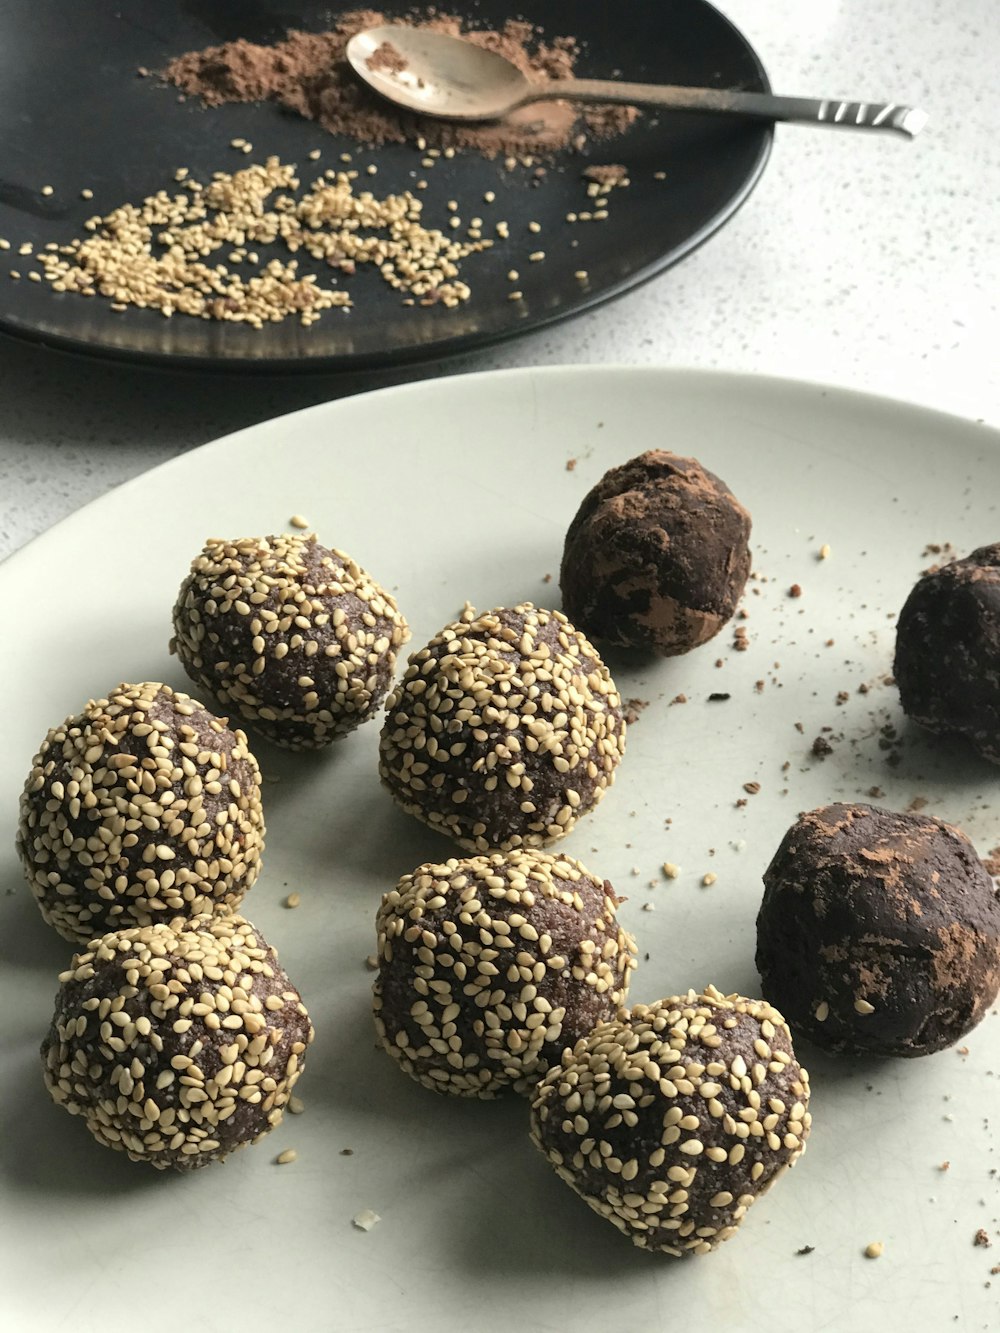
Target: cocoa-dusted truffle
142,807
489,966
672,1119
504,729
177,1043
948,650
657,555
879,933
293,636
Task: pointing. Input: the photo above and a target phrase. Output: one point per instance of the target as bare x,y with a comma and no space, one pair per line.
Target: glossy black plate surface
75,114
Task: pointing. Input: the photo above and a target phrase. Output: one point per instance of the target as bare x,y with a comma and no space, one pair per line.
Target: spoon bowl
434,74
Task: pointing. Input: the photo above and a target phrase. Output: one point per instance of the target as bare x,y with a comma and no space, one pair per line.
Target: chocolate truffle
142,807
176,1043
879,933
656,557
504,730
489,966
293,636
948,650
672,1119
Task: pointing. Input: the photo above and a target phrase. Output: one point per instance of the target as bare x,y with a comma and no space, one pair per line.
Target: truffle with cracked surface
503,730
142,807
490,965
177,1043
656,556
672,1119
879,933
947,664
292,635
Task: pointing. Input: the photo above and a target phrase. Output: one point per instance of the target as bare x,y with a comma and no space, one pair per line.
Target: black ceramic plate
75,114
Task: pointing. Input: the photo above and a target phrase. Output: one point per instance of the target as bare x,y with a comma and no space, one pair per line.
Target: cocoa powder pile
308,73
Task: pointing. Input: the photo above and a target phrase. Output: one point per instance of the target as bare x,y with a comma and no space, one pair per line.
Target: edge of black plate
445,348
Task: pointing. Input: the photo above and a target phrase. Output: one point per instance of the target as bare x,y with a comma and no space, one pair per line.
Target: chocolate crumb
992,862
795,590
821,747
982,1238
876,793
678,699
546,578
347,1152
633,709
806,1249
570,464
752,787
717,697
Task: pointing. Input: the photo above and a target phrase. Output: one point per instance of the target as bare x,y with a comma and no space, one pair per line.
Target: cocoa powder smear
308,73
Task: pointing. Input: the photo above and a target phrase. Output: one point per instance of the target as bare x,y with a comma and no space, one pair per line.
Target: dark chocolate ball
879,933
177,1043
672,1119
503,730
489,966
947,662
293,636
142,807
657,555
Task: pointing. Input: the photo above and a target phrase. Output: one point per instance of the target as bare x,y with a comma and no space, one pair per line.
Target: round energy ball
948,651
656,557
489,966
879,933
293,636
504,730
177,1043
142,807
672,1119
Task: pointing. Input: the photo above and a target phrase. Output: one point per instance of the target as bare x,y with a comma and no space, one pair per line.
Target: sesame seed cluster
166,253
504,730
672,1119
294,636
142,807
490,965
176,1043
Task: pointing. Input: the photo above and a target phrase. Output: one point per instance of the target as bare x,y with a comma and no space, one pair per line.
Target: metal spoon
437,75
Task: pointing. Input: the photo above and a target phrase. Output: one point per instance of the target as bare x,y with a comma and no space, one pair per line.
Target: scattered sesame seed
822,1012
512,296
47,190
709,878
581,275
315,155
824,552
366,1219
25,249
4,244
513,275
863,1007
649,907
372,169
503,230
293,900
537,256
237,143
489,196
874,1249
534,226
283,1158
659,175
296,1105
87,193
670,870
297,521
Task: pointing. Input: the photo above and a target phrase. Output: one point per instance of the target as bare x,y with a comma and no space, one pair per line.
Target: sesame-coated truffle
656,557
141,808
504,729
489,966
879,933
177,1043
293,636
672,1119
948,650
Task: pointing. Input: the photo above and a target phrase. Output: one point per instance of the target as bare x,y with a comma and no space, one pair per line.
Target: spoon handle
908,121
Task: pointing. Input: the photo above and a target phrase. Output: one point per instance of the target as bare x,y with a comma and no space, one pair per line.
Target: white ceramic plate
460,489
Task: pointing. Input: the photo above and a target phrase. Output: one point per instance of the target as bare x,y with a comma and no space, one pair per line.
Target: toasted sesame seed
513,275
536,256
822,1012
297,521
874,1249
293,900
670,870
824,552
283,1158
709,878
534,226
295,1105
86,193
315,155
47,190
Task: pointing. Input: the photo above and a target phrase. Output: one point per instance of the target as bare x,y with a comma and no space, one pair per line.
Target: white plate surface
453,490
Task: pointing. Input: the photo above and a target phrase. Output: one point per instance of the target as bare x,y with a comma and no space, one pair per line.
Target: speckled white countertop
860,260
